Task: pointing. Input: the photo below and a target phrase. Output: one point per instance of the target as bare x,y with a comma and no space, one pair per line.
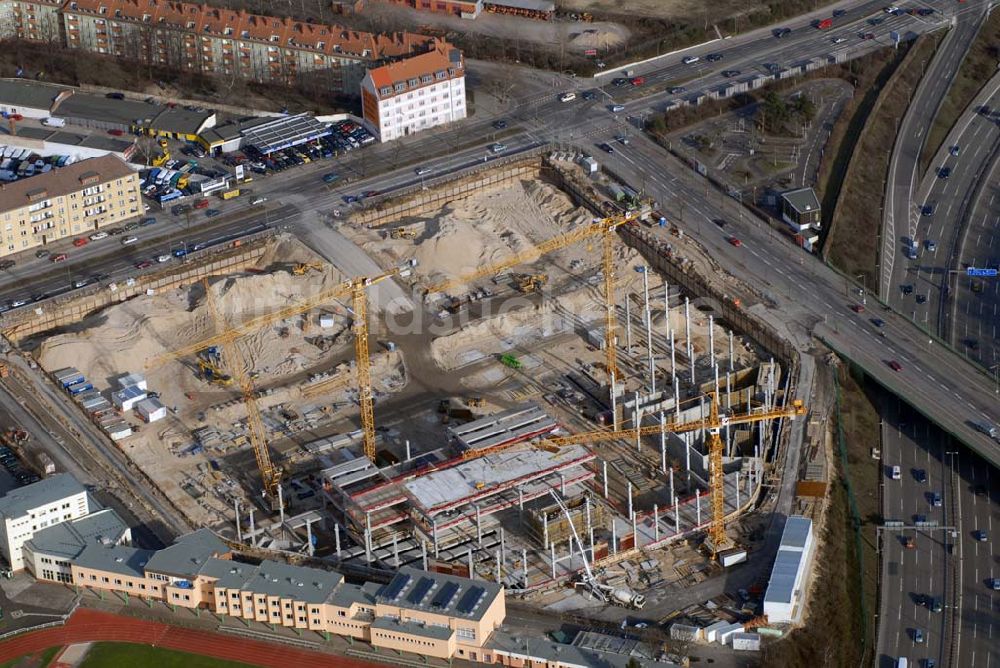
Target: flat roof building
49,552
29,509
76,199
801,209
786,588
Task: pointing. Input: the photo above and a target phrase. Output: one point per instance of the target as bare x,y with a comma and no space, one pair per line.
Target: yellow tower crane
713,424
232,357
357,289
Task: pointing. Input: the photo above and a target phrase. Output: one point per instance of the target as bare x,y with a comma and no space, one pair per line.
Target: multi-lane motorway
945,561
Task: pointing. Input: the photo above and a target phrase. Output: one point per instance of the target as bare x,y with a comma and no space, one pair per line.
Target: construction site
520,396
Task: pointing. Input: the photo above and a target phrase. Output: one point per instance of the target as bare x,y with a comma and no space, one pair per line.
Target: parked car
61,257
7,264
146,222
97,236
735,241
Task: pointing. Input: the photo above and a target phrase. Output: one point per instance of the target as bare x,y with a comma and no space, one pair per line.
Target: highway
900,213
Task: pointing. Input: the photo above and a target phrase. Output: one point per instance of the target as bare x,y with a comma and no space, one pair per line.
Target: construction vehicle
303,267
530,282
475,402
213,374
401,233
357,289
164,156
619,596
510,361
4,370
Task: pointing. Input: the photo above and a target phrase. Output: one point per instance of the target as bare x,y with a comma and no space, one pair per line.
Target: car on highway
618,82
180,252
163,258
944,172
918,636
858,308
837,13
498,148
839,40
920,475
919,519
866,35
97,236
780,32
890,9
909,543
607,148
144,264
349,199
906,289
714,57
720,222
935,605
421,171
921,299
129,240
59,257
615,108
40,254
567,97
82,283
730,73
637,81
330,177
257,201
42,296
690,60
878,322
955,150
927,210
81,241
936,500
895,366
499,124
735,241
14,303
7,264
876,21
622,139
980,535
995,584
930,245
179,209
212,213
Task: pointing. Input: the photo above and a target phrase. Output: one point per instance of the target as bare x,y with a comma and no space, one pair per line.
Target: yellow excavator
401,233
303,267
164,156
530,282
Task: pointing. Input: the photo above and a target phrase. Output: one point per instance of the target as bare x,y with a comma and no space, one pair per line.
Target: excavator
401,233
209,366
530,282
164,156
303,267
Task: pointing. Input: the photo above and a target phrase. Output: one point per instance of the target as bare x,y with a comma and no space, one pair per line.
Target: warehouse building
786,589
78,198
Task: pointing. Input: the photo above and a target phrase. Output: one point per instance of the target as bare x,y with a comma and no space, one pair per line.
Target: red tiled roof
437,60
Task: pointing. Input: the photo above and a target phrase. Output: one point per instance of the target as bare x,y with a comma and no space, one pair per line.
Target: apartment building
415,94
76,199
424,613
210,40
27,510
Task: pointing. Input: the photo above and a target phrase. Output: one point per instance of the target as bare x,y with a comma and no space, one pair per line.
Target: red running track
93,626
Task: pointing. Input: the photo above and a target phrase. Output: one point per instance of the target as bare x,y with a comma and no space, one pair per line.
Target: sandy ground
284,355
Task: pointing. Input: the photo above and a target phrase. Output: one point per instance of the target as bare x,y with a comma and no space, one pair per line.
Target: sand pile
128,336
488,227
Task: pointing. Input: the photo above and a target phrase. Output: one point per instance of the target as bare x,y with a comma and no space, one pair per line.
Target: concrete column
253,529
687,323
479,527
281,507
614,537
434,536
732,359
737,489
729,390
336,539
677,517
663,443
635,531
423,553
649,332
671,482
503,548
545,531
368,537
472,571
711,341
697,497
520,498
524,565
239,527
715,370
604,466
408,457
562,483
630,513
497,557
395,550
656,523
628,323
673,358
309,538
590,527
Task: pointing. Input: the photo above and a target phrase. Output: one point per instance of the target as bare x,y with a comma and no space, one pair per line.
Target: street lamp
864,288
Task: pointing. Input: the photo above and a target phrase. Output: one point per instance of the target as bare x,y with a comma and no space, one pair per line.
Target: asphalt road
900,215
964,633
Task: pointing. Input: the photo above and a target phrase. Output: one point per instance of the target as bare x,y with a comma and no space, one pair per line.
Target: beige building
77,199
418,612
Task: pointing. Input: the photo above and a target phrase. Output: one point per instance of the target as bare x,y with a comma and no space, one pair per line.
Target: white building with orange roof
414,94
